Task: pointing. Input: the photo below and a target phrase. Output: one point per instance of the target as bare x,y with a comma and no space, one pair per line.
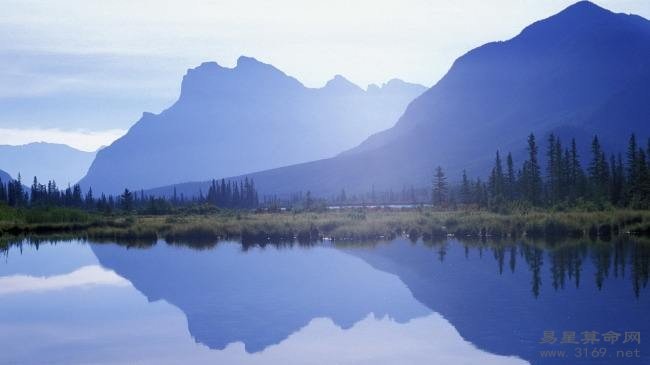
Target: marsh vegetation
353,224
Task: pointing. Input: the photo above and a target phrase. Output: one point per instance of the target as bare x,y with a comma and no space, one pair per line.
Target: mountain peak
340,83
585,6
207,66
581,11
395,86
210,78
582,15
245,61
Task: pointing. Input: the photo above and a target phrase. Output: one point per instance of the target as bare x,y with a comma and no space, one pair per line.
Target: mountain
230,121
500,312
580,72
263,296
47,161
5,177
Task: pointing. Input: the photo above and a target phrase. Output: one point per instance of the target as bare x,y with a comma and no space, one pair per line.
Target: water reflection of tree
601,258
534,257
565,260
608,258
513,258
640,264
500,254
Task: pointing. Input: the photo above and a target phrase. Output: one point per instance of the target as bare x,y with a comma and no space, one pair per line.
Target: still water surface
395,302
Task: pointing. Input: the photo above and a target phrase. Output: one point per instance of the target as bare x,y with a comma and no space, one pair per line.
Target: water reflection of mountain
261,296
503,297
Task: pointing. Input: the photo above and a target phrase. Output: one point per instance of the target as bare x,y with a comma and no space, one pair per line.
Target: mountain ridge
47,161
251,117
558,75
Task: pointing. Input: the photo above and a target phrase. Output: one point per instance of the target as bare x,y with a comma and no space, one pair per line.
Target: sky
82,72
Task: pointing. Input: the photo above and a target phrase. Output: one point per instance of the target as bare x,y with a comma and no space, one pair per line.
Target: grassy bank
341,225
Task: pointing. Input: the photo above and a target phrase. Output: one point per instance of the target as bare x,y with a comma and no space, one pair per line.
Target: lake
397,302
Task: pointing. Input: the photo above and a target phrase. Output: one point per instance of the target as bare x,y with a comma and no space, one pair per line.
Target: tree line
608,180
232,195
225,194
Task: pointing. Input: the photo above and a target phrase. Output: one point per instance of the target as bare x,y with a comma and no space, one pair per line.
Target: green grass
340,225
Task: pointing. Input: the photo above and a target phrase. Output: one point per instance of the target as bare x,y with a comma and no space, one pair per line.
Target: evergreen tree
617,181
496,179
642,194
465,189
598,172
126,200
16,196
3,192
77,200
576,175
532,179
89,201
632,167
552,170
439,193
511,179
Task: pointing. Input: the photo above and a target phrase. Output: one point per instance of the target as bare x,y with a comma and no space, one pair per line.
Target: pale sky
70,69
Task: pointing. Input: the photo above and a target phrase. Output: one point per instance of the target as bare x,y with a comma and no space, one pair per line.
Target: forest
226,194
607,182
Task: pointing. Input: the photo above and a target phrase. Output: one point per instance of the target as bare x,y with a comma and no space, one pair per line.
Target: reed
340,225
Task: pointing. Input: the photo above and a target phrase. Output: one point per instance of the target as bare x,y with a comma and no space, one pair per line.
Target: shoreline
341,225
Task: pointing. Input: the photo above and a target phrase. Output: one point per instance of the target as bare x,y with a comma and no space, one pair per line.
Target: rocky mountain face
581,72
253,117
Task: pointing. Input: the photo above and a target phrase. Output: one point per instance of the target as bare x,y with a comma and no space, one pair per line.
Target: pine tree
465,189
617,181
510,179
632,167
77,200
565,178
439,193
598,172
126,200
551,170
89,201
3,192
642,195
496,179
577,179
531,173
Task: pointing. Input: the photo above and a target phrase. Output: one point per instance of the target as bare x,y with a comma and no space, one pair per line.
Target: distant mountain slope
252,117
5,177
47,161
582,71
212,288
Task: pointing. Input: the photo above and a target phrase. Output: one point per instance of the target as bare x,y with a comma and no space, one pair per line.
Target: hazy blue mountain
47,161
5,177
500,312
261,297
230,121
582,71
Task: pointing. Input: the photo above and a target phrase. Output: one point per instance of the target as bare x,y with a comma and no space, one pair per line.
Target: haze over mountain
47,161
4,177
582,71
252,117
